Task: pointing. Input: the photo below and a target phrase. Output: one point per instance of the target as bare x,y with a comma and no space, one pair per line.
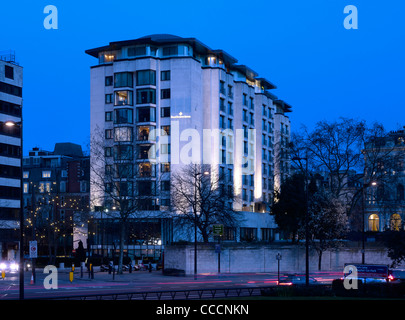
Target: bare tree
349,155
123,178
202,198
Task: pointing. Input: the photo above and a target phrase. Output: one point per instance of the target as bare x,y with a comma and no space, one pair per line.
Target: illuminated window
146,133
123,98
46,174
374,223
165,167
123,134
26,174
25,187
395,222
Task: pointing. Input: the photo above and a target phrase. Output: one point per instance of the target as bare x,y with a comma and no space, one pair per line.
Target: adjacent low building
56,196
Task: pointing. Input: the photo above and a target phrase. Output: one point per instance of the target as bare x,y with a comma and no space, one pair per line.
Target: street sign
33,249
369,270
218,230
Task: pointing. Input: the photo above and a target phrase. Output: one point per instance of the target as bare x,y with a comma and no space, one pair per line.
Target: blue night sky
323,70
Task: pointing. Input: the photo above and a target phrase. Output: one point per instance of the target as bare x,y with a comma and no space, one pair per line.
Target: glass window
146,114
146,169
108,98
165,185
165,112
46,174
108,116
137,51
145,96
145,77
108,152
165,75
108,81
123,134
9,72
374,223
123,170
123,98
108,133
248,234
165,148
146,152
165,94
123,116
165,167
165,130
62,186
170,51
123,79
123,152
146,133
395,222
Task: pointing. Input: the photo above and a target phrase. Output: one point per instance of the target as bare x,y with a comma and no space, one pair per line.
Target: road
138,281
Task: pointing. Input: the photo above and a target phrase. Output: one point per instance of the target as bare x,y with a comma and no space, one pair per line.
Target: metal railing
180,294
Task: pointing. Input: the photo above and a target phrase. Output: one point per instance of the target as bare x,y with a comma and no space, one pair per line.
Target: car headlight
14,266
3,266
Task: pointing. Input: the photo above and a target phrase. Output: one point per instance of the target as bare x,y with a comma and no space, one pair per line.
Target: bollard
81,271
92,271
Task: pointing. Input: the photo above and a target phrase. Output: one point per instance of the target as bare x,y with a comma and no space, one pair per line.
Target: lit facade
384,183
173,101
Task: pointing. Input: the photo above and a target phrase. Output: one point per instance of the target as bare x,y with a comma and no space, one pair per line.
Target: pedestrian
150,266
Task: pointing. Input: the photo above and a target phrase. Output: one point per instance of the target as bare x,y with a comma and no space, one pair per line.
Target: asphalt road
138,281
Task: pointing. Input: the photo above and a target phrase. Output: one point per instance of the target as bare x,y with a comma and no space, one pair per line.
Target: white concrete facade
209,93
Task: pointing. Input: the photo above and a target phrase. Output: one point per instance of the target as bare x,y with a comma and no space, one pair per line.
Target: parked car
296,279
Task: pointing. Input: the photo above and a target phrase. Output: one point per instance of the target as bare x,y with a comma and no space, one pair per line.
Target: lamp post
363,249
306,219
21,266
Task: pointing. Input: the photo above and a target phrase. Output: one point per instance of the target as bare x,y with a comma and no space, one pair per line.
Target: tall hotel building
189,91
11,81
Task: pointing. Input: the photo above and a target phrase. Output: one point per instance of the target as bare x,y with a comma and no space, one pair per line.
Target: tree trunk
121,256
320,259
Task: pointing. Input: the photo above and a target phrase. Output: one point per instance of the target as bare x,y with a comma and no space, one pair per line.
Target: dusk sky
322,69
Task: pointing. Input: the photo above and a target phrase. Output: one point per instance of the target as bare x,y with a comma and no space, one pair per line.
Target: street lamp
21,266
306,219
363,249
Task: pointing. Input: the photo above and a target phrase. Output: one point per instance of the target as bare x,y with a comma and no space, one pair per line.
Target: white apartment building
211,110
11,82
